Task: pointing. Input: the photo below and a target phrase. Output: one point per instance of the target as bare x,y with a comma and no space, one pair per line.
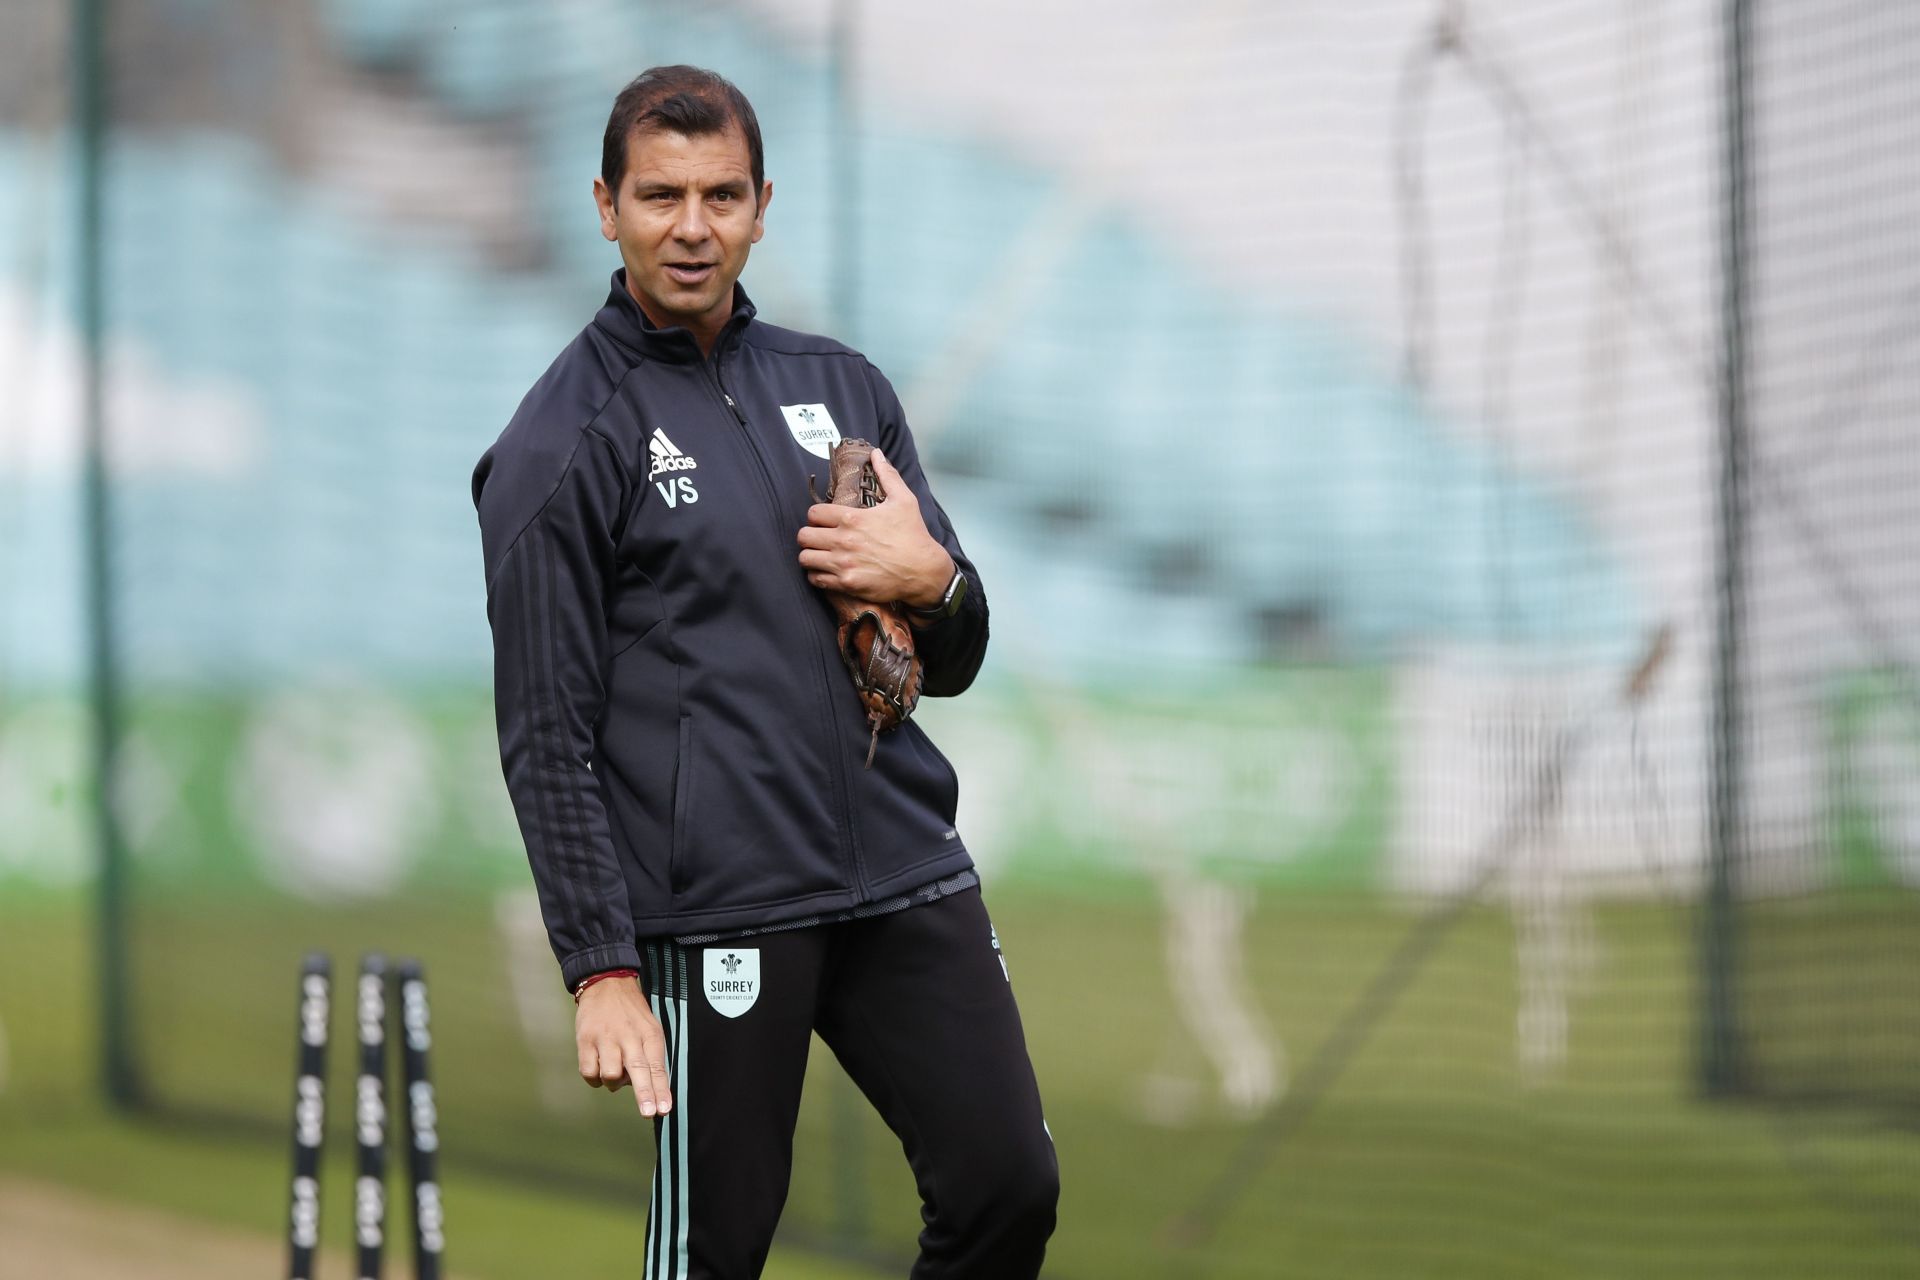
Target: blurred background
1447,773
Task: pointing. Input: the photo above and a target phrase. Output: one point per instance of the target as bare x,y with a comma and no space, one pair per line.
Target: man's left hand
881,553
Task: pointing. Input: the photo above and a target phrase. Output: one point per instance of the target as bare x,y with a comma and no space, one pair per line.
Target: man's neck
705,331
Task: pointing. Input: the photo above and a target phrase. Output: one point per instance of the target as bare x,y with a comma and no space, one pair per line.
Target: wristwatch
949,603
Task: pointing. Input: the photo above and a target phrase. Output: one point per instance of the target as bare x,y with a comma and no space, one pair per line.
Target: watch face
949,603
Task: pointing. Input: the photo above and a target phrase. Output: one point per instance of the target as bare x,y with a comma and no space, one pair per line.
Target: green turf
1431,1156
499,1228
54,1127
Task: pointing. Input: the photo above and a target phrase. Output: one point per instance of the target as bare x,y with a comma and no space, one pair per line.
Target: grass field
1430,1156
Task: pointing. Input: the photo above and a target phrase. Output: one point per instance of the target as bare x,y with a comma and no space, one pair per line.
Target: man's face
685,220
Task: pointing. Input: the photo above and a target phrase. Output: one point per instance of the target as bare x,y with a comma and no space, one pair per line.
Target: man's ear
603,197
760,214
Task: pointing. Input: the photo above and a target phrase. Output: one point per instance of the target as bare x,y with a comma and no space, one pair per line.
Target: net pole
845,175
846,1109
1719,1057
121,1079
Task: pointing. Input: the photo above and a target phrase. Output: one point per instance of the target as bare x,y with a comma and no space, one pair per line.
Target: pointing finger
643,1095
656,1062
661,1090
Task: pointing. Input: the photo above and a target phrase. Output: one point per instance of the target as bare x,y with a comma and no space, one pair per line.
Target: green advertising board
352,790
1873,756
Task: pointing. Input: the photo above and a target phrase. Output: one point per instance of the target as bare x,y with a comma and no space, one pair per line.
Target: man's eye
723,196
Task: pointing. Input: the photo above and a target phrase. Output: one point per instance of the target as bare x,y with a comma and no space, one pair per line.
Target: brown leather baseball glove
876,644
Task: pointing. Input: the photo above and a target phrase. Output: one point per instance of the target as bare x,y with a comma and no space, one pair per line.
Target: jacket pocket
951,809
931,777
679,868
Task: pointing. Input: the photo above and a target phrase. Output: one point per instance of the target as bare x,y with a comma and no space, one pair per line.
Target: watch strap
949,603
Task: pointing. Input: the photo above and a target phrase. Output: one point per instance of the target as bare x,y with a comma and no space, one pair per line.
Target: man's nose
691,226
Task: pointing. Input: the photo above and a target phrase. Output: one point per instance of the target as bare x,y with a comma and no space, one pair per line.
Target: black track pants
917,1007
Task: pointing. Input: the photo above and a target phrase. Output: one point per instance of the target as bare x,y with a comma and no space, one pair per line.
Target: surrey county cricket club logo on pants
732,979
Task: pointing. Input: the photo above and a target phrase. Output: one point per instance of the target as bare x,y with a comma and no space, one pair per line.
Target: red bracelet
610,973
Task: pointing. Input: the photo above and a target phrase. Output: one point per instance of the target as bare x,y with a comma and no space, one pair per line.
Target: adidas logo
666,455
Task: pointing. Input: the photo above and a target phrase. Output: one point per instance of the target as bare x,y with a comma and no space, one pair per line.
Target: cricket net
1445,775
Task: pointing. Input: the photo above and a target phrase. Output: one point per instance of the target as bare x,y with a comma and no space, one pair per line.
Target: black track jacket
683,748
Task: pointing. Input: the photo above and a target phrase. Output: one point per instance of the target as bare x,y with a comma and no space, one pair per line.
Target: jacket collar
623,318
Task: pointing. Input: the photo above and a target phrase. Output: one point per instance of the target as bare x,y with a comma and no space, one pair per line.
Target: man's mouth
690,272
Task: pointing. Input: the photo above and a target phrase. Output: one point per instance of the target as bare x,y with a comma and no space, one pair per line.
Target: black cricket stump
422,1119
370,1118
309,1115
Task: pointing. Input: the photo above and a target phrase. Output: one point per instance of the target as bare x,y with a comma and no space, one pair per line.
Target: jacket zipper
842,785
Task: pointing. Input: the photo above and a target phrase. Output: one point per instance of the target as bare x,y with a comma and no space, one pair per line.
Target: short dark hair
681,99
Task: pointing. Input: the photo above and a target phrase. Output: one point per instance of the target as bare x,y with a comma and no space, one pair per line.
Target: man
719,873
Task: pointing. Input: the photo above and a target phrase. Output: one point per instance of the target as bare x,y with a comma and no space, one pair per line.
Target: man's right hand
620,1043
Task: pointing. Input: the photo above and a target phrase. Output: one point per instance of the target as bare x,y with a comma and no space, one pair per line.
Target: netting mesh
1335,403
1826,983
